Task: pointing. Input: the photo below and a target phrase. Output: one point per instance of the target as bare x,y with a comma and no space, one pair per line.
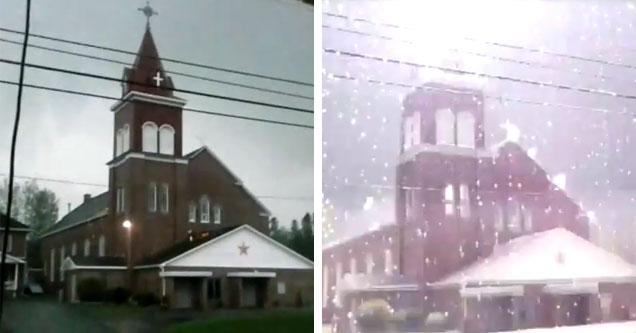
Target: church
481,239
179,225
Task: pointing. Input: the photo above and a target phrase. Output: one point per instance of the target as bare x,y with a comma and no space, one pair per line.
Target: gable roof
238,181
226,259
90,210
13,224
552,256
184,246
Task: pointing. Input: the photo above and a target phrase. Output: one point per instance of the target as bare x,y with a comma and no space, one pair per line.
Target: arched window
466,129
149,131
205,210
87,247
125,138
119,137
445,127
102,246
166,140
449,200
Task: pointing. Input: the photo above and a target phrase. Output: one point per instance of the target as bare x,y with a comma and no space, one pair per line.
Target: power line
530,64
140,102
108,78
169,72
65,181
498,98
233,71
14,138
503,45
475,74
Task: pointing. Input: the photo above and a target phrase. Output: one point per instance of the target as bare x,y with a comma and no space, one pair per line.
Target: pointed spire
148,71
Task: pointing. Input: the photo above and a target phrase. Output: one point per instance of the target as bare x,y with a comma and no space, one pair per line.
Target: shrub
119,295
374,316
90,290
145,298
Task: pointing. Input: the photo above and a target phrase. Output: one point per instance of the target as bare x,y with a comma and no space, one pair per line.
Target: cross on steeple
158,79
148,11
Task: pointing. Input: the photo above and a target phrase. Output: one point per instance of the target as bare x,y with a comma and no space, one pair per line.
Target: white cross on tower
158,78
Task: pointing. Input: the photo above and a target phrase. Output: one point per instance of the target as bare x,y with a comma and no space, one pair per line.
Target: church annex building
181,226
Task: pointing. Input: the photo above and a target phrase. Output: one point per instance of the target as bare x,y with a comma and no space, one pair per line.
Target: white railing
10,285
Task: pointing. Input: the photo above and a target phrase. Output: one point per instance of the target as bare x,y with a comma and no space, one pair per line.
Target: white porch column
163,286
15,279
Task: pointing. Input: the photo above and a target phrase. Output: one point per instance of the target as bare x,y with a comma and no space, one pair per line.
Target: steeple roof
147,73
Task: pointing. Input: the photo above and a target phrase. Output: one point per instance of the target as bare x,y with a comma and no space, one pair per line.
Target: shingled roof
184,246
14,224
89,210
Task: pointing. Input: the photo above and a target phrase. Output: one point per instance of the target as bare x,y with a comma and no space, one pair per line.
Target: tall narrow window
217,214
445,127
466,129
499,217
52,267
369,264
61,263
87,247
514,215
125,139
119,142
527,218
165,198
10,243
121,200
411,204
464,201
152,197
74,249
353,268
449,200
102,246
166,140
338,272
388,262
150,137
205,210
412,130
192,213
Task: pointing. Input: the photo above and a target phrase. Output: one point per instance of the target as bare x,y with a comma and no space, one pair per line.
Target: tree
295,237
17,204
40,207
307,237
277,232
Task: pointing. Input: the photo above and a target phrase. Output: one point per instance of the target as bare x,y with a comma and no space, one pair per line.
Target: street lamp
128,225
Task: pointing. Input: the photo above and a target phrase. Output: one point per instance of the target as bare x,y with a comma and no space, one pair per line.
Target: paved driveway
49,316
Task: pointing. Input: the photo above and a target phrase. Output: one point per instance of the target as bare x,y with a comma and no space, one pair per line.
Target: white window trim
353,266
281,288
74,249
369,263
145,145
205,208
165,150
119,142
87,247
152,196
192,213
464,201
126,139
218,211
449,203
165,197
101,251
388,262
465,116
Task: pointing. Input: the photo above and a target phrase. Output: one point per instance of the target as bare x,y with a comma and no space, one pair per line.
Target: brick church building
481,238
180,225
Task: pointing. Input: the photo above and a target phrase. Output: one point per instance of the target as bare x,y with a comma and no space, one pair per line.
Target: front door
249,293
183,293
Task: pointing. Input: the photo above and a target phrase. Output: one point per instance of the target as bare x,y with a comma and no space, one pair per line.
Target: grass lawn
288,321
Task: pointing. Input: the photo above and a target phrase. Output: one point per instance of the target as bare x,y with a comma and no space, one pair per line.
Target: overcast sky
587,146
70,137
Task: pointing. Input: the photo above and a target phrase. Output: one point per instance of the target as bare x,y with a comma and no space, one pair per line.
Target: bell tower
148,173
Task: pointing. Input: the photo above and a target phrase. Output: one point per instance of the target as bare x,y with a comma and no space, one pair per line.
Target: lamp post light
128,225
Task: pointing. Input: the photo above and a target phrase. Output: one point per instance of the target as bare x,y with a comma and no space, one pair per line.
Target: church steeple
147,74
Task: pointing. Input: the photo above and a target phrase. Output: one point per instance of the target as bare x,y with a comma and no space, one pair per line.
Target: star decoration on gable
243,249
